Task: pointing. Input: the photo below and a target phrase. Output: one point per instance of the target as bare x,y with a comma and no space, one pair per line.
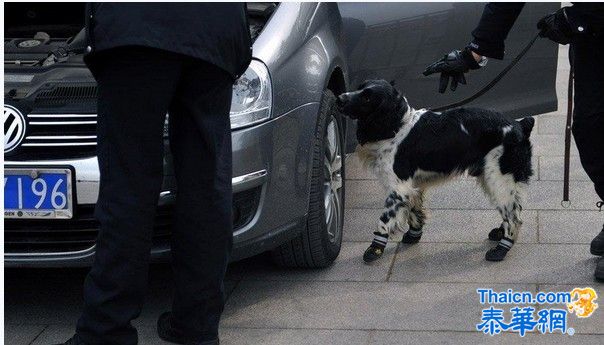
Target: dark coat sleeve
586,18
495,24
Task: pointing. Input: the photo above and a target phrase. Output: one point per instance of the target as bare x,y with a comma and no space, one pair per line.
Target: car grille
57,136
36,236
62,236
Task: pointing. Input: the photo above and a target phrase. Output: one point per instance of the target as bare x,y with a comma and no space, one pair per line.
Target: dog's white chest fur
378,157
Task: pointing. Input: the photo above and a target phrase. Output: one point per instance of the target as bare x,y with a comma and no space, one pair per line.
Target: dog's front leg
396,207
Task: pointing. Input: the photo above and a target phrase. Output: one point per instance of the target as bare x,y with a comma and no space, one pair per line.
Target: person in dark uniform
581,25
150,59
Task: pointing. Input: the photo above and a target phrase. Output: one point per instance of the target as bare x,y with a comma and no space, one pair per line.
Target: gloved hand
555,26
453,66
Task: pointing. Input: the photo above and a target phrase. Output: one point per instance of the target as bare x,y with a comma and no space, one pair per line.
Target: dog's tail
527,125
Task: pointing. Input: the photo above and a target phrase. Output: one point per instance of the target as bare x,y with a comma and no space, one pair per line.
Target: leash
569,114
567,139
493,82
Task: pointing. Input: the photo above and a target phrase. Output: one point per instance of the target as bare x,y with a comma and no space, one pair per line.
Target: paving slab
357,305
442,225
232,336
551,145
455,338
464,262
551,123
272,336
569,226
21,334
552,168
348,267
54,296
54,334
593,324
465,194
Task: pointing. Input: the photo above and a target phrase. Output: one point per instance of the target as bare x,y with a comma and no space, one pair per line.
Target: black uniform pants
587,57
137,87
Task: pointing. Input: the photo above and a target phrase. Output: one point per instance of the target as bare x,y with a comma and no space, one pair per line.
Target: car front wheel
319,243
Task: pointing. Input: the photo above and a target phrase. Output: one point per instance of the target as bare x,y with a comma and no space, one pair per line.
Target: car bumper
271,167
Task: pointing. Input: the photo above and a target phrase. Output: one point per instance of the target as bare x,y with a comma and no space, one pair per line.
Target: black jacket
498,18
214,32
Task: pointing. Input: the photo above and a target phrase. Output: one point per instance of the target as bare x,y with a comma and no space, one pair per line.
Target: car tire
319,242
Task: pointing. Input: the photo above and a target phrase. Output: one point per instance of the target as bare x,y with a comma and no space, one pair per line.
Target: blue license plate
38,193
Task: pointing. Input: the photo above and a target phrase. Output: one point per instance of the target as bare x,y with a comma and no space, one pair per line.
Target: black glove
453,65
555,26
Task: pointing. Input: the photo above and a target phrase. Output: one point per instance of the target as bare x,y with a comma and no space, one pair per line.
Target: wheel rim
333,180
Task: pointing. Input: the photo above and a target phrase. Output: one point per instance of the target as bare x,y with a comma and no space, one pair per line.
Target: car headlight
252,96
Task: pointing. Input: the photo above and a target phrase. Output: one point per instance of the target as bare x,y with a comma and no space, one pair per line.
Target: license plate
43,193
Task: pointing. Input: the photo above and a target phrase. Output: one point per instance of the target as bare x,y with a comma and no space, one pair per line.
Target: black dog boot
376,248
500,251
597,244
496,234
412,236
599,274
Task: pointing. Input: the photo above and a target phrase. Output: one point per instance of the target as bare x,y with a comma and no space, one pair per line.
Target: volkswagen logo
14,128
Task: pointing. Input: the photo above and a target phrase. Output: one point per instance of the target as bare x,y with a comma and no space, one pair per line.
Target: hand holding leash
453,66
555,26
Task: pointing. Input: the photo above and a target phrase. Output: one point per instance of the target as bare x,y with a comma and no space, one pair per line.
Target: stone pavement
420,294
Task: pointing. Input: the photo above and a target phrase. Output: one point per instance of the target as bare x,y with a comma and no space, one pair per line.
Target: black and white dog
411,150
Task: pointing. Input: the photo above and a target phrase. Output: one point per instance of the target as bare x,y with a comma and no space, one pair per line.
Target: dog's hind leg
396,207
416,219
506,195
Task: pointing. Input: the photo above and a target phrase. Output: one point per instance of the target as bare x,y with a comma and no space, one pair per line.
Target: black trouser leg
136,87
588,127
200,139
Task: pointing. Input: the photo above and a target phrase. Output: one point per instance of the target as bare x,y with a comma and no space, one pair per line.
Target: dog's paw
410,239
496,254
372,254
496,234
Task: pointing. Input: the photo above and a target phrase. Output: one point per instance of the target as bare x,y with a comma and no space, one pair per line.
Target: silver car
289,142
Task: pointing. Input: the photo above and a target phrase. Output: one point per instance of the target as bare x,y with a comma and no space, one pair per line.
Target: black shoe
173,335
167,332
599,274
597,244
496,234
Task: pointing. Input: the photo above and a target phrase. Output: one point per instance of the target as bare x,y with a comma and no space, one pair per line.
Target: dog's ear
392,82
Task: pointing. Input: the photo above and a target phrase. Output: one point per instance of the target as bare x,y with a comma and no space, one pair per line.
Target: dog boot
597,244
496,234
412,236
500,251
376,248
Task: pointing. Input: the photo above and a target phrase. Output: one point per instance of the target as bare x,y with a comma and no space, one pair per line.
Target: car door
396,41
